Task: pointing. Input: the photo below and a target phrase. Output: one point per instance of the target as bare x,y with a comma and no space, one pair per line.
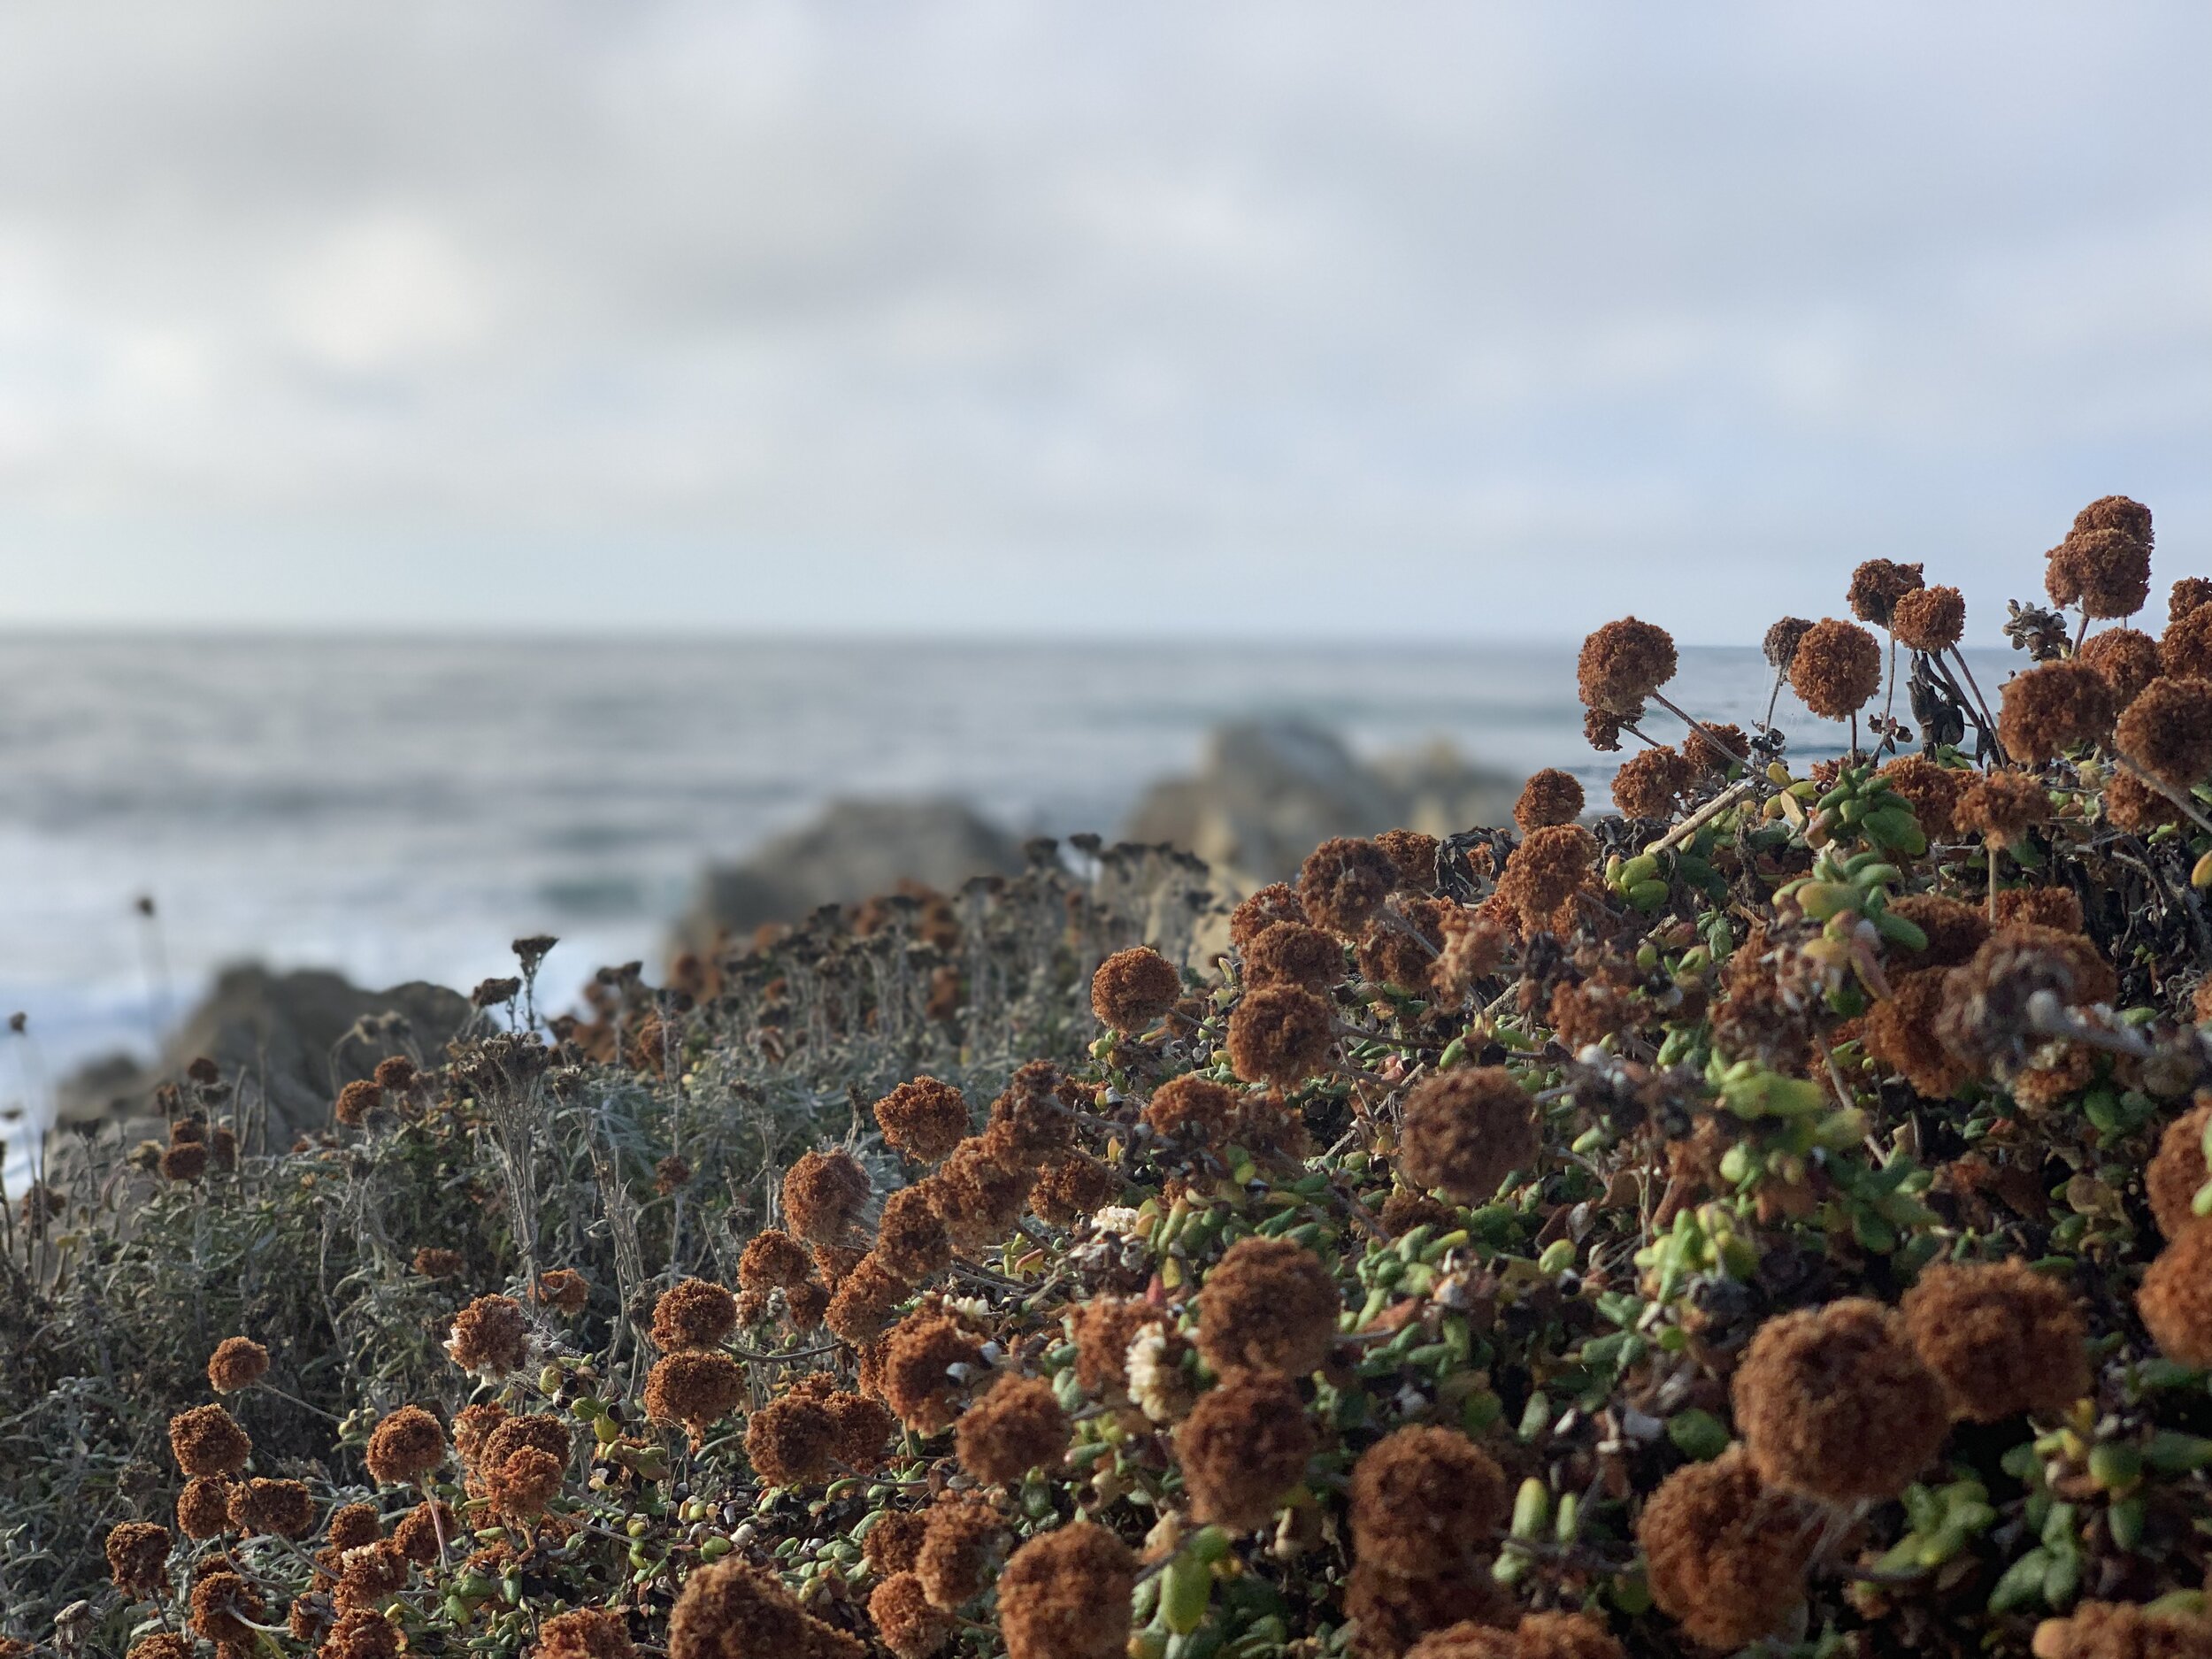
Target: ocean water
402,810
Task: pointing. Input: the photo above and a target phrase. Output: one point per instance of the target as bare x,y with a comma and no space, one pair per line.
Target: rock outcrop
1270,790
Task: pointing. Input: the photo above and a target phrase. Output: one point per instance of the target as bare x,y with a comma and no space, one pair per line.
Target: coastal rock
1268,791
855,850
295,1038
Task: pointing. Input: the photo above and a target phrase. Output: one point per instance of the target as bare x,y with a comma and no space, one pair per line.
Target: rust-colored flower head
804,1305
1414,853
2123,1629
1601,728
1065,1595
1475,944
420,1529
1103,1328
790,1442
863,1424
1649,783
1550,796
671,1175
2127,660
1197,1110
352,1525
694,1387
2001,1337
1836,670
1015,1426
1280,1035
356,1101
1984,1019
2130,518
184,1160
911,1242
894,1544
490,1338
1243,1448
924,1118
961,1539
2002,807
1622,663
1273,903
930,1360
693,1313
1427,1501
2185,647
2186,595
865,1302
522,1484
165,1644
473,1427
1465,1130
1932,791
2176,1300
207,1440
1900,1033
2107,572
979,1195
1292,953
2167,730
731,1610
1878,584
432,1261
563,1289
1929,619
1725,1557
2056,908
588,1632
773,1260
1780,646
238,1362
2048,710
1071,1187
1343,882
360,1633
1547,875
2132,805
1834,1402
1028,1120
1955,931
1132,988
138,1559
2174,1176
1392,1611
1268,1304
904,1620
407,1445
204,1507
833,1262
823,1194
272,1508
222,1602
1707,757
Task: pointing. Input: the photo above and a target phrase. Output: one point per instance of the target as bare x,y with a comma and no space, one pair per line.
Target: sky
1277,320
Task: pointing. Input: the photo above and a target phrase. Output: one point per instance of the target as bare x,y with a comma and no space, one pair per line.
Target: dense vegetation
1771,1216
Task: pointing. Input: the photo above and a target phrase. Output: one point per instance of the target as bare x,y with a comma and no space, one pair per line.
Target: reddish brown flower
1465,1130
2001,1337
1243,1448
1929,619
1015,1426
1551,796
138,1559
490,1338
1269,1304
1427,1501
2127,660
1343,882
1836,669
1280,1035
823,1195
1834,1401
2167,730
1878,584
207,1440
2176,1300
237,1363
407,1445
693,1313
694,1387
1725,1557
1065,1595
2048,710
1624,663
1132,988
924,1118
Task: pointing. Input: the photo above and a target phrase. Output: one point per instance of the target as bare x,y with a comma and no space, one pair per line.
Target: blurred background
468,471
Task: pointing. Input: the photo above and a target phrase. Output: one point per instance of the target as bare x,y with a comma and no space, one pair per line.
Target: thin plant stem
1690,720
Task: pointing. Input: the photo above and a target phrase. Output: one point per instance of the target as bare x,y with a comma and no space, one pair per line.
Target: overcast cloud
1289,319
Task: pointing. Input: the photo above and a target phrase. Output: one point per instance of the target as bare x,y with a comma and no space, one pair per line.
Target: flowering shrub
1777,1215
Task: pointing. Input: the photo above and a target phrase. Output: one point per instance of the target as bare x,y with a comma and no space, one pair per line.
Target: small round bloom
1712,747
924,1119
731,1610
406,1445
1900,1033
1932,791
1649,783
2186,595
1071,1186
1273,903
1929,619
435,1263
1878,584
2132,805
2048,710
138,1559
1834,1402
1551,796
207,1440
1415,852
1243,1447
490,1338
352,1525
1197,1109
1132,988
1601,728
238,1362
2176,1300
1292,953
773,1260
978,1195
1836,669
2001,1337
2107,572
221,1603
1546,876
586,1632
1103,1329
1269,1304
693,1313
1065,1595
2128,661
1622,663
525,1483
1015,1426
1343,882
563,1289
905,1621
790,1441
694,1387
204,1507
862,1425
420,1529
2167,730
1725,1557
961,1537
1426,1500
894,1544
2002,807
911,1241
1779,646
1028,1121
2177,1172
272,1508
865,1302
1465,1130
1280,1035
920,1381
823,1195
